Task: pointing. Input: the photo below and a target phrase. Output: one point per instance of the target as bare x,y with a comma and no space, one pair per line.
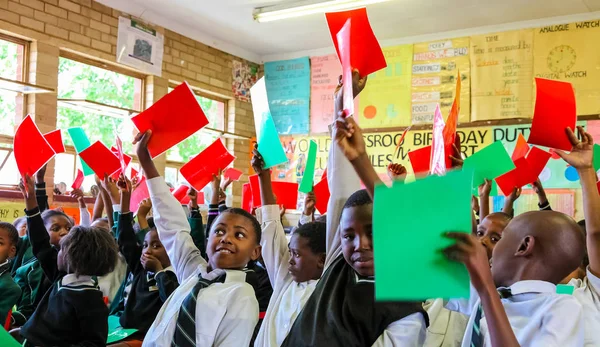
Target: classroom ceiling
228,24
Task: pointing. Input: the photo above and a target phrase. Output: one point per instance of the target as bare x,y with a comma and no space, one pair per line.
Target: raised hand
39,176
582,154
144,208
516,193
111,187
257,161
27,188
77,194
193,195
396,172
309,204
349,138
469,251
485,189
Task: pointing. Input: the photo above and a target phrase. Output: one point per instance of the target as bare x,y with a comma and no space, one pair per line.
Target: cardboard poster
140,46
9,211
565,52
502,75
386,100
434,70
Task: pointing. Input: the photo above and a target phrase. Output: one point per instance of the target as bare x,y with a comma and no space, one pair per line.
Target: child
9,237
489,230
154,279
73,311
293,269
342,310
213,306
21,225
587,290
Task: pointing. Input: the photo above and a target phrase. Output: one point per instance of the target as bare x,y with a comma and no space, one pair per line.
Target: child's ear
525,246
12,252
321,262
256,252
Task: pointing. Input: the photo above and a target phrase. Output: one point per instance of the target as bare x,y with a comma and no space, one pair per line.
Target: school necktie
185,330
476,338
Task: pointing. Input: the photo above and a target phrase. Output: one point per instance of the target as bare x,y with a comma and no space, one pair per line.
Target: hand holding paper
199,171
100,159
306,185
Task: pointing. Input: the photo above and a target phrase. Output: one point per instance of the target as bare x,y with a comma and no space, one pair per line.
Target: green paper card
489,162
306,186
267,137
596,157
409,221
117,333
6,340
81,143
564,289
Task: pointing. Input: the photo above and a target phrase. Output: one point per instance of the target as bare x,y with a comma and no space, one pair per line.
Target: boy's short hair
315,233
321,219
586,258
151,224
13,233
359,198
46,215
502,215
255,223
89,251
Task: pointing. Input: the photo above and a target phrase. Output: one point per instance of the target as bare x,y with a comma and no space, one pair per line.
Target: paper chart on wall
139,46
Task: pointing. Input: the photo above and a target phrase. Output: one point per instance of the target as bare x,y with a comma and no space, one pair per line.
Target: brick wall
89,29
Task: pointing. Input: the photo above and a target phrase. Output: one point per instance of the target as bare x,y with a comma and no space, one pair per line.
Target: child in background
342,310
213,305
21,225
293,269
10,291
73,312
85,219
587,289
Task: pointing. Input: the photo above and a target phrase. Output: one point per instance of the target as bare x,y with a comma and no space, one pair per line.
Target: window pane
64,169
10,66
215,112
8,111
191,146
10,173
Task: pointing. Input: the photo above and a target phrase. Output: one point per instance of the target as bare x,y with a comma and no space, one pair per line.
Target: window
215,112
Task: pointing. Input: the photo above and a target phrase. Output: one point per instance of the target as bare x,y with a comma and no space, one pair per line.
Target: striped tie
185,331
476,338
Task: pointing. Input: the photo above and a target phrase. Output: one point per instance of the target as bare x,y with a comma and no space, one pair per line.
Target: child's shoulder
7,284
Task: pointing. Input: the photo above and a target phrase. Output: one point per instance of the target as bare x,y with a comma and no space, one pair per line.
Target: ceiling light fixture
307,7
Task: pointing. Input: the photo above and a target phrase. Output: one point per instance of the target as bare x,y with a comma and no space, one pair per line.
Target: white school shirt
289,297
537,315
343,182
587,292
226,313
111,283
85,220
446,328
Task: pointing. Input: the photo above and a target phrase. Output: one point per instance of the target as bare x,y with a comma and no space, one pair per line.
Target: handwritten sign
325,72
434,71
563,52
9,211
502,75
386,100
288,90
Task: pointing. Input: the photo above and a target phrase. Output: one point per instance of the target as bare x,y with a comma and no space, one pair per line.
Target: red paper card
255,185
55,140
199,171
343,37
233,174
100,159
516,177
452,121
324,176
555,111
420,159
127,159
139,194
537,160
286,193
247,197
521,148
78,180
365,53
134,173
322,195
31,149
181,194
172,119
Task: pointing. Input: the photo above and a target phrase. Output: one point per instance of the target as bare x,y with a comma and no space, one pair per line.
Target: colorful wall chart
385,102
434,70
567,52
502,75
9,211
244,77
288,90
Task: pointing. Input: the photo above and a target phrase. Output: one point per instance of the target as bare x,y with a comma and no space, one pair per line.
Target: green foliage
8,69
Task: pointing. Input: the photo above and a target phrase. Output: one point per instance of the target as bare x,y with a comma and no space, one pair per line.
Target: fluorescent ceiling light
307,7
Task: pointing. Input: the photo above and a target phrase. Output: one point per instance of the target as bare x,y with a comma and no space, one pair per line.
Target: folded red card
322,195
452,121
516,177
100,159
140,193
286,193
420,159
537,160
344,47
247,197
521,148
200,170
78,180
365,53
172,119
55,140
554,112
31,149
134,173
126,160
233,174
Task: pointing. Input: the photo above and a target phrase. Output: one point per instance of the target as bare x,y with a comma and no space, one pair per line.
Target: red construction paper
78,180
247,197
365,53
233,174
343,37
420,159
598,186
181,194
31,149
55,140
172,119
100,159
452,121
200,170
516,177
521,148
139,194
134,173
324,175
286,193
322,195
555,111
537,160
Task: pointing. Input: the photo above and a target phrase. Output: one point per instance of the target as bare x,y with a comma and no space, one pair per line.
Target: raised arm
484,199
169,218
84,214
98,205
40,189
128,245
543,202
195,220
509,201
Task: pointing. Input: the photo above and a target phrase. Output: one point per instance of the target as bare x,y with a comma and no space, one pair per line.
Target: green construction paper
409,222
6,340
117,333
306,185
81,142
493,191
564,289
269,144
489,162
596,157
